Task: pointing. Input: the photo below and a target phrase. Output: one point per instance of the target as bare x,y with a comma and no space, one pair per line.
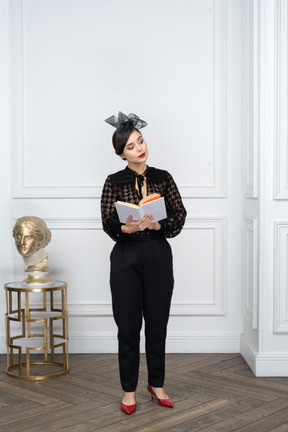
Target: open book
152,204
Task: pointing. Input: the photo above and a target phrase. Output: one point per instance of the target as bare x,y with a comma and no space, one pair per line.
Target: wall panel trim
214,307
23,189
250,312
251,96
280,277
281,101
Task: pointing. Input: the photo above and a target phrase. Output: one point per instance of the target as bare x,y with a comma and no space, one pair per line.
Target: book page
124,211
156,208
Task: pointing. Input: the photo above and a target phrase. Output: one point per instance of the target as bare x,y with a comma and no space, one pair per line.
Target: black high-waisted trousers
141,283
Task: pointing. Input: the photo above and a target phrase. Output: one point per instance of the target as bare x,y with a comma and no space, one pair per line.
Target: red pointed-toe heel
163,402
128,409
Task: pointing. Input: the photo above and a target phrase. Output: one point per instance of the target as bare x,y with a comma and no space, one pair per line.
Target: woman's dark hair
120,138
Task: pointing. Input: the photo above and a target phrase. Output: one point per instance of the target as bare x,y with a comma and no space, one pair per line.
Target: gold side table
42,319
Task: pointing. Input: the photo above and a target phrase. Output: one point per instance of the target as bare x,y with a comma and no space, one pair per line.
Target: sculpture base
38,277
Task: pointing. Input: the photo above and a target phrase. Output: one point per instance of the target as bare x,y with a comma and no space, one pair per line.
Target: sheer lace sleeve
120,186
176,213
110,221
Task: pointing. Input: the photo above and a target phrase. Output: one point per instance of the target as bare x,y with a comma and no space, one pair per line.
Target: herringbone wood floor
211,392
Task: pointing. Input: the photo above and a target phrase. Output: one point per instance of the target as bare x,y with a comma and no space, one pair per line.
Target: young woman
141,277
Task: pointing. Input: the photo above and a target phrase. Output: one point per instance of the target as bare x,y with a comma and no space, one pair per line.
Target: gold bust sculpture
31,236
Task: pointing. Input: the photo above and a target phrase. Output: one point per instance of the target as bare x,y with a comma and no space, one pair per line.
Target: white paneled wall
279,207
176,63
281,100
281,282
67,72
264,342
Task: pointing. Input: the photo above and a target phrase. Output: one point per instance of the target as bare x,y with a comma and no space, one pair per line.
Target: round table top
23,287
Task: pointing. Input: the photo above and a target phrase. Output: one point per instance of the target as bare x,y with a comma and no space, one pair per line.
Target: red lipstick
142,155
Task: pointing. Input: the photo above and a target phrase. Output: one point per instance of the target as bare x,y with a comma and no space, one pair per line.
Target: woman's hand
134,226
154,226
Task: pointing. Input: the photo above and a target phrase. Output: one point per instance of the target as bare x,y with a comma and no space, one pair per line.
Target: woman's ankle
129,398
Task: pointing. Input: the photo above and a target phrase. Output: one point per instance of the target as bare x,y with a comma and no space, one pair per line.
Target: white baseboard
272,364
175,343
203,343
248,352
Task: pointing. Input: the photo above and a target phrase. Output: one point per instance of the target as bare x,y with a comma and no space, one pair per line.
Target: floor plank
211,392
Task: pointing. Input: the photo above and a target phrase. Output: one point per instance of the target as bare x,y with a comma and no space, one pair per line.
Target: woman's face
135,150
26,241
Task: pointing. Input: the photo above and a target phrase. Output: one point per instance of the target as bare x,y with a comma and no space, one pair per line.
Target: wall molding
250,271
280,277
216,306
23,189
251,113
281,101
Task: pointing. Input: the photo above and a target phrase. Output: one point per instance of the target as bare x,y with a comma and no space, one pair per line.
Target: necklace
36,258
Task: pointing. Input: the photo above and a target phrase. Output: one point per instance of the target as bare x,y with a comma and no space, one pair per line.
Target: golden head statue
31,236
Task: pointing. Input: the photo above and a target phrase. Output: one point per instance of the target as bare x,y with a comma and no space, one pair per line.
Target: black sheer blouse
121,187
